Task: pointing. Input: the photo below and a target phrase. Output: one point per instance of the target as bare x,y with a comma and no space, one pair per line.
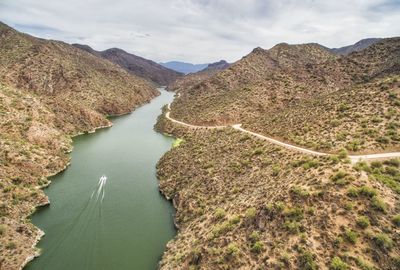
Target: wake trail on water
86,220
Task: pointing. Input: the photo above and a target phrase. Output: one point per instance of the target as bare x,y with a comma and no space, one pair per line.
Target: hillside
136,65
184,67
277,91
186,81
243,203
49,91
358,46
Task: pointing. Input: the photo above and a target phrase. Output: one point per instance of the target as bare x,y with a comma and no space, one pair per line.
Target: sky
202,31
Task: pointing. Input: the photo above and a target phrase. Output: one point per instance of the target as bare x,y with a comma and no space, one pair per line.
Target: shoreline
36,252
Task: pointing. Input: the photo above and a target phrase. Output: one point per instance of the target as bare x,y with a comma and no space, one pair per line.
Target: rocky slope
190,79
136,65
49,91
306,95
243,203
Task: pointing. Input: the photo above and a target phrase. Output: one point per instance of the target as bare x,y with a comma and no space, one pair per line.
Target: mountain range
184,67
242,202
136,65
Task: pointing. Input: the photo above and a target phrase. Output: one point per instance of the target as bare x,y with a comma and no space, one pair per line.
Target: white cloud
202,30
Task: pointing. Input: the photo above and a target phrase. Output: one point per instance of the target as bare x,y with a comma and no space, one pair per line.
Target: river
119,223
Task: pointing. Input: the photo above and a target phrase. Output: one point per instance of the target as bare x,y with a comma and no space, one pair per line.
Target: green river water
121,224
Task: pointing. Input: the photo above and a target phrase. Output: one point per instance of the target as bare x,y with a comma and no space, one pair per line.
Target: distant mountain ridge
192,78
184,67
358,46
136,65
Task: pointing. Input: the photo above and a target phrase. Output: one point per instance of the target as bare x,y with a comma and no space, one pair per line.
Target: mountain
243,202
192,78
278,83
184,67
220,65
360,45
49,91
136,65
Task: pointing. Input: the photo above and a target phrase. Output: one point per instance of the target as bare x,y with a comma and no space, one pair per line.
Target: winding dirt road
353,158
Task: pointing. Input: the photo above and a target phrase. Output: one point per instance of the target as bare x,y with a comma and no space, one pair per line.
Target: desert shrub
354,145
352,192
338,264
363,222
258,151
177,142
220,213
364,265
343,107
392,162
11,245
334,159
294,213
378,204
235,219
232,249
292,227
367,191
276,170
343,154
340,178
254,236
349,206
376,164
383,140
301,192
251,213
2,229
257,247
350,236
307,261
383,241
362,166
396,220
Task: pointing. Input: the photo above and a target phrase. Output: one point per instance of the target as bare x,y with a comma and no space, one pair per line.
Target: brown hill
49,90
244,203
298,90
136,65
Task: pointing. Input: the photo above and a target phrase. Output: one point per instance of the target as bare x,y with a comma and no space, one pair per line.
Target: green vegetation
2,230
363,222
257,247
396,220
11,245
300,192
177,142
350,236
338,264
383,241
232,249
251,213
378,204
220,213
307,261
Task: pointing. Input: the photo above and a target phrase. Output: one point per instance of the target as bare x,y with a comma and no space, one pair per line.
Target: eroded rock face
48,91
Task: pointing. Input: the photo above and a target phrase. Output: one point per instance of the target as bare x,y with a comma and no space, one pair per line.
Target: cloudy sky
200,31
